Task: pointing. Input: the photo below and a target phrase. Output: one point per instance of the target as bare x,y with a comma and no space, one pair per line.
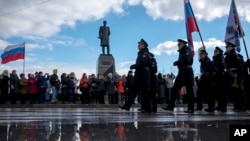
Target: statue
104,33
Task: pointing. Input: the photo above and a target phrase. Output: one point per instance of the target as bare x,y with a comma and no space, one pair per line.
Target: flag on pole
13,53
191,24
234,30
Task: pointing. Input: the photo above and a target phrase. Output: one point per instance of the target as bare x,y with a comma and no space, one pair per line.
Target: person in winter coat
32,89
110,88
71,87
64,88
42,85
4,86
160,90
14,87
23,82
101,89
84,88
120,90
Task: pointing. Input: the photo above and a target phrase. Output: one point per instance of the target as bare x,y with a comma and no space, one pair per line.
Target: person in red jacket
32,88
84,88
120,89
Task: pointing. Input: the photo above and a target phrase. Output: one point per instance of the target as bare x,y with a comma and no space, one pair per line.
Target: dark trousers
85,95
184,78
41,95
13,97
23,98
33,98
111,98
3,96
153,92
101,95
141,85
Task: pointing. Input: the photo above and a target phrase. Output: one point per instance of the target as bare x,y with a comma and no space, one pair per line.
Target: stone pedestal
105,64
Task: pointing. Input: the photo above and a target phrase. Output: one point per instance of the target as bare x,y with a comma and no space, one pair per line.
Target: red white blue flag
191,24
13,53
234,30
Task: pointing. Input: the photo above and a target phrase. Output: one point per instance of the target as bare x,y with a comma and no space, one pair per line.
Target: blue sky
62,34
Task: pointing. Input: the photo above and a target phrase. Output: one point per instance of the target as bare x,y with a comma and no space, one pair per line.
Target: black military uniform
234,78
218,88
204,87
185,77
141,82
153,82
246,82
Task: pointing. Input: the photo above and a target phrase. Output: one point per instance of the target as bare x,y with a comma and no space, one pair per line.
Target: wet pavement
109,123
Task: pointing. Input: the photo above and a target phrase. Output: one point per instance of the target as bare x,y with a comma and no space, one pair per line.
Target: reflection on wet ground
114,125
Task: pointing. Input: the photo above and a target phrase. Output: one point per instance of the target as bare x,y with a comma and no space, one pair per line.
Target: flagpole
198,27
24,60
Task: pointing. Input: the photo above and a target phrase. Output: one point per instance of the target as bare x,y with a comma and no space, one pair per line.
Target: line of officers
224,77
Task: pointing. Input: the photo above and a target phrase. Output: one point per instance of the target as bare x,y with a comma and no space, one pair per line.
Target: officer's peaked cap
219,49
144,42
230,44
182,41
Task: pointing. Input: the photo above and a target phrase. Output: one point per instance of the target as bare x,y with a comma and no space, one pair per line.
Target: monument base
105,64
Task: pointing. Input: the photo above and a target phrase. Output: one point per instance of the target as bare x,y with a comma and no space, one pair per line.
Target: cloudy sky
63,33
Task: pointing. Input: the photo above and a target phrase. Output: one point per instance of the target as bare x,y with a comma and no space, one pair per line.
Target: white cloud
203,9
46,19
170,47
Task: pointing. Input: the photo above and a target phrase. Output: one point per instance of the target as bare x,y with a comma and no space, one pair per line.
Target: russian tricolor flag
13,53
191,24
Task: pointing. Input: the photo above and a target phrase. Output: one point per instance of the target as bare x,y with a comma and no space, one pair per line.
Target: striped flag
13,53
191,24
234,30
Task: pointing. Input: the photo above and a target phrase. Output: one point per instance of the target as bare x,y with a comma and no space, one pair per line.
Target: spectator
23,88
55,85
93,88
101,89
129,84
170,84
110,88
4,86
42,85
64,88
71,87
32,89
48,89
84,88
14,87
120,89
160,90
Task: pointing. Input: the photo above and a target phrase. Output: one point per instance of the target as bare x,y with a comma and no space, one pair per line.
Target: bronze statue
104,33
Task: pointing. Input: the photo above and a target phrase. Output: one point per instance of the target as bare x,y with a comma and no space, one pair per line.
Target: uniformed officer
233,76
153,81
218,88
141,81
185,77
204,87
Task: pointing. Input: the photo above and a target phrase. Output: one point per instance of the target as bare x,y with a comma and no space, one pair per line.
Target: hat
203,51
144,42
218,49
230,44
182,41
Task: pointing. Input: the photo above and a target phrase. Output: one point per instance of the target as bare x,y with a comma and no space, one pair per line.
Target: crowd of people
223,79
41,88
